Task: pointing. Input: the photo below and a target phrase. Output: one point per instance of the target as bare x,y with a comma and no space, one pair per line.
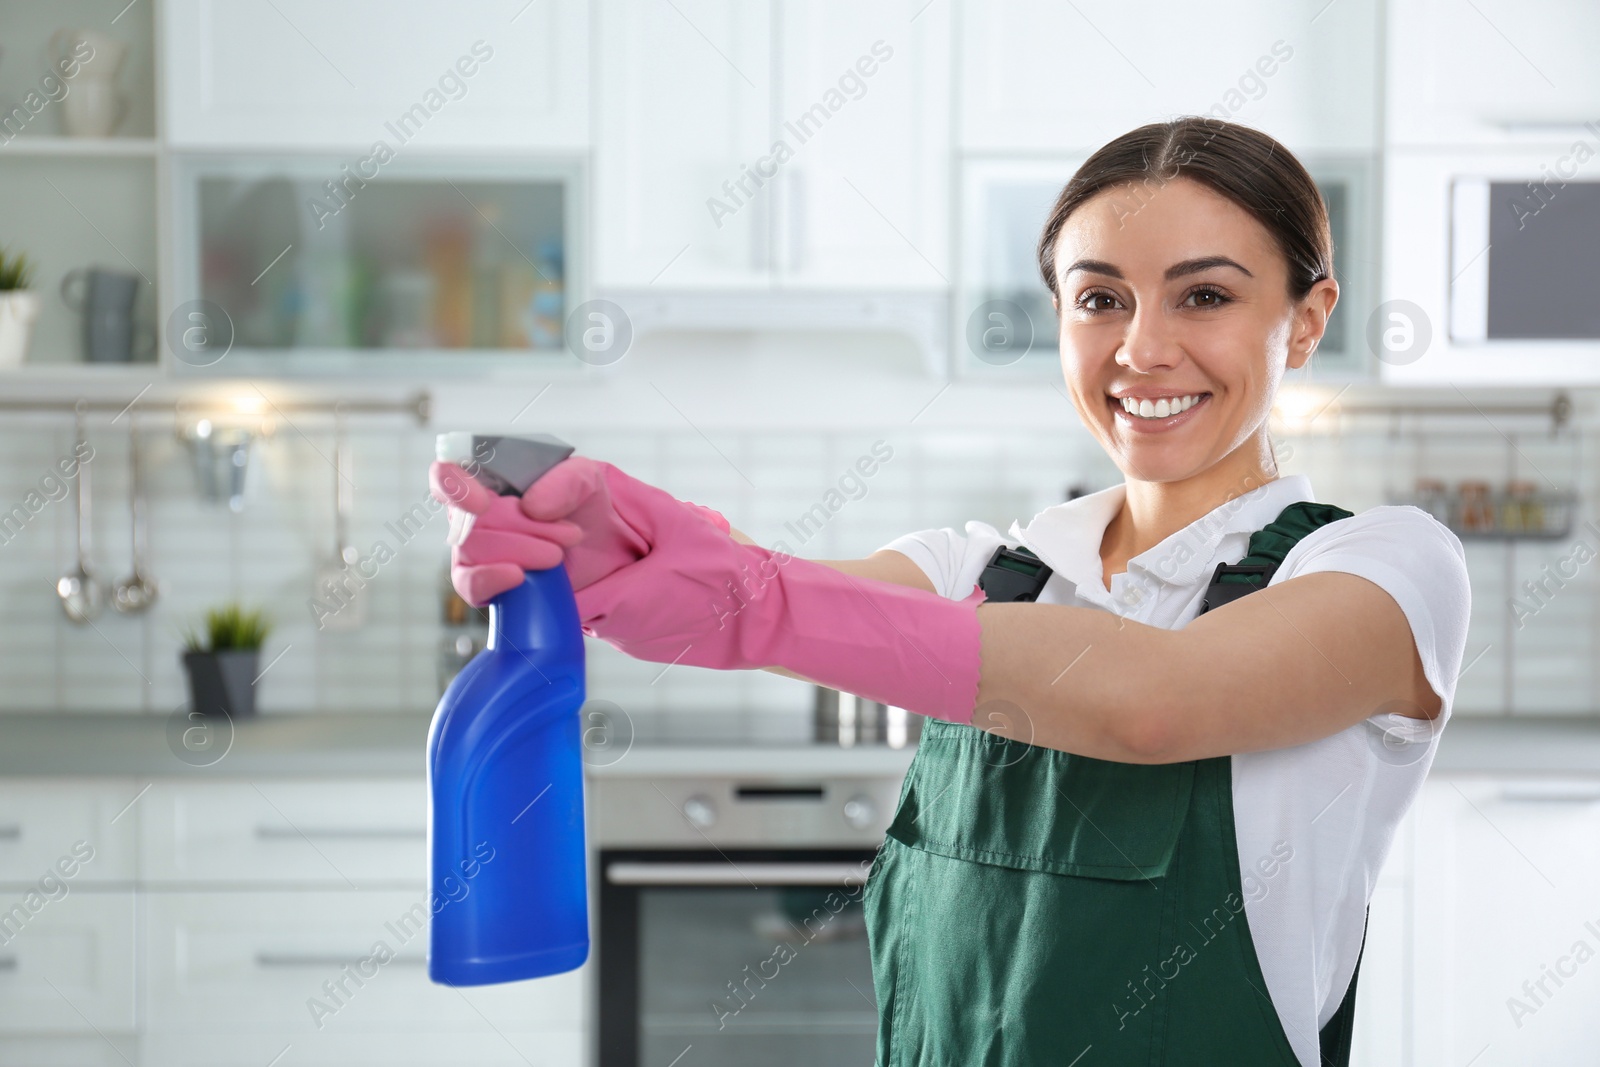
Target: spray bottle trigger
461,522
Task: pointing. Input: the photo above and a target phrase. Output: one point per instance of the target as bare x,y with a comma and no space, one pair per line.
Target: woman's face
1176,325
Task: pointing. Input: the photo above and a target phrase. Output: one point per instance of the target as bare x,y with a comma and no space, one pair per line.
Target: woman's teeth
1159,409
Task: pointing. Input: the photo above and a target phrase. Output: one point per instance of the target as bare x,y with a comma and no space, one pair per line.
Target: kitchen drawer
488,1049
94,1051
68,967
226,962
49,821
350,833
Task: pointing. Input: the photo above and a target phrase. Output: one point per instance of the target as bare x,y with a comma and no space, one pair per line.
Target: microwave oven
1524,259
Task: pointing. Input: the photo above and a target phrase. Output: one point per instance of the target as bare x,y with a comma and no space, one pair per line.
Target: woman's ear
1311,321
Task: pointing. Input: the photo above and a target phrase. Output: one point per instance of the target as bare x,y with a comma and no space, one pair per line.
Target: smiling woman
1186,314
1190,264
1206,675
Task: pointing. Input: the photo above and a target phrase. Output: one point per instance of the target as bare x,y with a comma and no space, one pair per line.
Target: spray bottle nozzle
506,466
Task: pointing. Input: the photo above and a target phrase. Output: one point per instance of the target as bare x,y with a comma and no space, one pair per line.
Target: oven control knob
700,811
860,812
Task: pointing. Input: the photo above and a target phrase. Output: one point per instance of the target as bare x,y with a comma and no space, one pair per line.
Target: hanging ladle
82,595
137,591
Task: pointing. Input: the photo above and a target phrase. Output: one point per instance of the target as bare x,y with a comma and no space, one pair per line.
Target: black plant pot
222,683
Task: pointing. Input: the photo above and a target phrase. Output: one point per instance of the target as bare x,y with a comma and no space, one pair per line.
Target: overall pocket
970,795
1020,887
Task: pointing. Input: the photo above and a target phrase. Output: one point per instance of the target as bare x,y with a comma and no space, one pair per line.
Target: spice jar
1522,502
1477,513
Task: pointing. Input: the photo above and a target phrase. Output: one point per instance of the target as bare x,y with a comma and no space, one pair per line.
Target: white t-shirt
1331,806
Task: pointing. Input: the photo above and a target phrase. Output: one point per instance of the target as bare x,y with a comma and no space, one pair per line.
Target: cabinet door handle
1552,794
761,216
274,960
795,209
644,872
11,832
1544,126
376,833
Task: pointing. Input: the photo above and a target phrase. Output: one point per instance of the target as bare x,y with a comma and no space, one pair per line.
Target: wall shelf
136,147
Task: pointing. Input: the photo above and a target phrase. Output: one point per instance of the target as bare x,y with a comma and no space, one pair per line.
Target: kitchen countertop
379,744
340,745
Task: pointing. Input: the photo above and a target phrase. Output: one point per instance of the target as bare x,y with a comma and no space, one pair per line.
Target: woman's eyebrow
1177,270
1195,266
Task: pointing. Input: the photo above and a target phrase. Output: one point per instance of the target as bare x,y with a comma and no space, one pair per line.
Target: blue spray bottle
506,882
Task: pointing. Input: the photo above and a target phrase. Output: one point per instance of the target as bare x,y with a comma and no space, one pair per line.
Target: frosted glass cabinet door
864,106
684,107
1047,76
304,73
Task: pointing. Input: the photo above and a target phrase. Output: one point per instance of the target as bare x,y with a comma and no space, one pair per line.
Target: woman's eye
1097,301
1206,298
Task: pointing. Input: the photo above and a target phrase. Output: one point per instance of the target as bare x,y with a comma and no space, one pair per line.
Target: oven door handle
637,872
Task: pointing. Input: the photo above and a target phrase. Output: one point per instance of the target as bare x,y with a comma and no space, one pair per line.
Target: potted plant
19,307
223,664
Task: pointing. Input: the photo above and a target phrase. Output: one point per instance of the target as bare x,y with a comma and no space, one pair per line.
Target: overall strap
1268,546
1265,554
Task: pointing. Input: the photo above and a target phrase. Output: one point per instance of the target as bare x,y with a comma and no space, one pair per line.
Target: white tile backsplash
764,482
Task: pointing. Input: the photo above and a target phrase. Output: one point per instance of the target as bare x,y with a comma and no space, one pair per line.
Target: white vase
18,310
93,106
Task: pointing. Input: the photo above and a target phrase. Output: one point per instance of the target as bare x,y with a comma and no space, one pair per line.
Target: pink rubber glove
701,598
568,515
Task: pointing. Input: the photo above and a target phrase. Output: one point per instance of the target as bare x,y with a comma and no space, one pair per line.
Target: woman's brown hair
1245,165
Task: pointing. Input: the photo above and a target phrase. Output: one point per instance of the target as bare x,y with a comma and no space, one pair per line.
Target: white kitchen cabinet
1051,77
302,74
307,963
88,827
69,968
746,146
1506,921
334,833
683,106
864,202
1492,72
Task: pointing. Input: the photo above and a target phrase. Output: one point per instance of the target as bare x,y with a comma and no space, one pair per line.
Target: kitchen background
281,244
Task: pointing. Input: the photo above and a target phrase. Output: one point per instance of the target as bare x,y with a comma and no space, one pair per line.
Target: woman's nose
1149,345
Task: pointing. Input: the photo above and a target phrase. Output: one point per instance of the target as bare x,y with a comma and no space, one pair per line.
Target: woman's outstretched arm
1289,664
1283,666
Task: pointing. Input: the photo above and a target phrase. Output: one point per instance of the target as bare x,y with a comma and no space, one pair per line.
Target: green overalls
1032,907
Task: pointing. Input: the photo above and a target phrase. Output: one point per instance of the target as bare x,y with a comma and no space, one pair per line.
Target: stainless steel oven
730,926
